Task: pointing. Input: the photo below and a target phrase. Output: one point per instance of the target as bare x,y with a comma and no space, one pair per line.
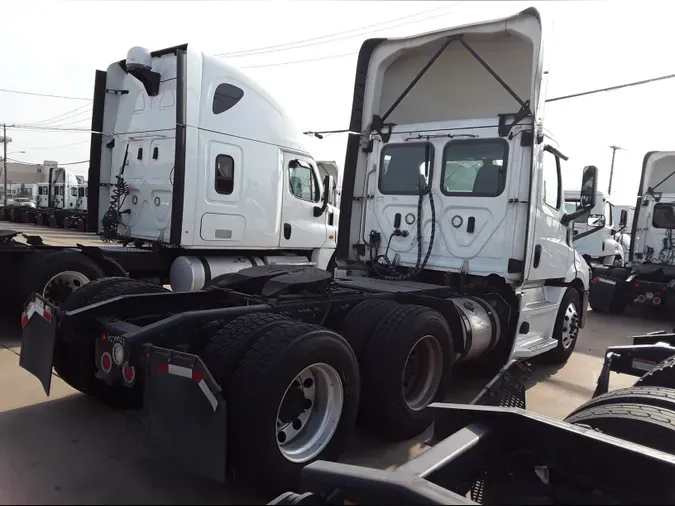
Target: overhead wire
313,40
61,116
65,97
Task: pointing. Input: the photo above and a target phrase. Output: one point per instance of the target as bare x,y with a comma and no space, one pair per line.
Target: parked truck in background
169,196
596,236
649,275
455,249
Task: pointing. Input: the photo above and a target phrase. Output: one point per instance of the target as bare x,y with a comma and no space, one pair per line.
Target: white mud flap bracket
184,413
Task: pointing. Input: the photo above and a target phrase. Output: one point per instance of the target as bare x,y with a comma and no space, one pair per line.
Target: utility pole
611,169
5,140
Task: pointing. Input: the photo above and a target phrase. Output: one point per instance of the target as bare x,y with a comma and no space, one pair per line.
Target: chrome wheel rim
570,325
422,373
309,413
60,286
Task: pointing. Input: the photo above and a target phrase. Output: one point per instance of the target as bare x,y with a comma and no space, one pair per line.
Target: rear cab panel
452,115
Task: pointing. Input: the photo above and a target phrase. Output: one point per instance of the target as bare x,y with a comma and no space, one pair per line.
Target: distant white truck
595,238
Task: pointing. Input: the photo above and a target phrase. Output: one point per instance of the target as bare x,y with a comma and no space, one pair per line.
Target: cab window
551,180
474,167
401,166
302,181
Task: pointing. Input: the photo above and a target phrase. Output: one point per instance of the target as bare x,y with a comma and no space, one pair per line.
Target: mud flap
184,413
602,293
37,340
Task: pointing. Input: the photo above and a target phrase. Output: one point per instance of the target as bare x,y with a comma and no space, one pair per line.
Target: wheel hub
570,327
60,286
309,413
422,373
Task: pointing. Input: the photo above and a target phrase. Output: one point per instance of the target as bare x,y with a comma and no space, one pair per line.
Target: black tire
649,396
362,320
74,356
662,375
40,267
257,388
645,425
384,407
229,344
561,353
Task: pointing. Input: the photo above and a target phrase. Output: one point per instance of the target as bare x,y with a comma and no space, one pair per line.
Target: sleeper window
224,180
225,97
474,167
303,182
401,166
73,192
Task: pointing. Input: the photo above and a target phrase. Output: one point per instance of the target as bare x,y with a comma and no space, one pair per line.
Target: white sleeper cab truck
454,248
195,181
82,197
649,275
595,237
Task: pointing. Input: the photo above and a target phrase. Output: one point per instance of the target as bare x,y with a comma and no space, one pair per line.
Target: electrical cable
62,116
313,41
119,192
65,97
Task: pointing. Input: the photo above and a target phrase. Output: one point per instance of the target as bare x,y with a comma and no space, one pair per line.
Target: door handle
287,231
537,256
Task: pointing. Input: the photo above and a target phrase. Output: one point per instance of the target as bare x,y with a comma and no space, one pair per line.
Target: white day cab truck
454,250
649,275
595,237
192,187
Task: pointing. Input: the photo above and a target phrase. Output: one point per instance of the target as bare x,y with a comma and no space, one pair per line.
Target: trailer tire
262,381
657,397
384,370
566,329
229,344
74,357
645,425
362,320
41,268
662,375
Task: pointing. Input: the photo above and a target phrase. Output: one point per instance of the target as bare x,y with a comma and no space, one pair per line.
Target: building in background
24,174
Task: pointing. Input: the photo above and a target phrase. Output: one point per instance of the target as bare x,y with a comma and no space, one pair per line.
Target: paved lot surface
69,449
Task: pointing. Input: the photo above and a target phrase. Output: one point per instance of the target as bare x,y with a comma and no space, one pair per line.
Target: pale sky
54,47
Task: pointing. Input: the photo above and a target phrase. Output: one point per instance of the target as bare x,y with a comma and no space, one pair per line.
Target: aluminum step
533,345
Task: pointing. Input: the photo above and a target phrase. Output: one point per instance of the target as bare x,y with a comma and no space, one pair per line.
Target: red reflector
104,336
596,281
47,315
106,362
197,375
163,367
656,301
129,374
24,320
664,288
637,285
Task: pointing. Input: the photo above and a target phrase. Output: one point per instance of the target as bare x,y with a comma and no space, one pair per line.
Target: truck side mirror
623,219
589,186
596,220
318,211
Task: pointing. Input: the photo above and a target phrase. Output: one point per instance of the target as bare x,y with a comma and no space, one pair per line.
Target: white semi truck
454,247
596,236
183,200
649,275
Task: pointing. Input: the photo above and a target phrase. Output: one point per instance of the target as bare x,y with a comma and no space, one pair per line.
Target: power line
56,147
50,129
60,164
612,88
556,99
330,57
43,95
60,116
319,40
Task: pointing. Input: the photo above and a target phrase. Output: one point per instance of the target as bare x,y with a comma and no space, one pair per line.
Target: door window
551,180
608,214
73,192
302,181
